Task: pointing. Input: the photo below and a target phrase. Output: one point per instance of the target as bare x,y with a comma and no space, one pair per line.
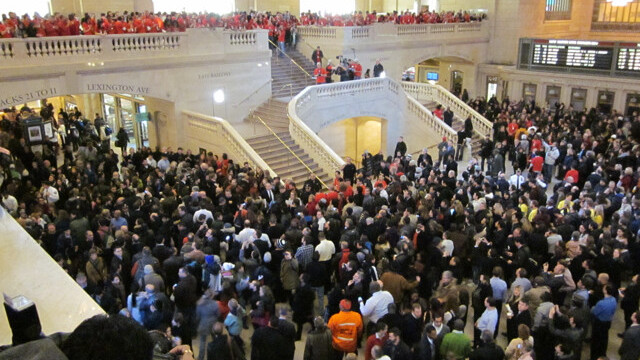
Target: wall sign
118,88
28,96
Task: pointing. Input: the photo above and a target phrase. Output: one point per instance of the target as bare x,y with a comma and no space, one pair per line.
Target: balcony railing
91,48
386,32
215,133
439,94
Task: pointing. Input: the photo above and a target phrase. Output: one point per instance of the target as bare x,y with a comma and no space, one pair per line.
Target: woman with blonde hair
518,347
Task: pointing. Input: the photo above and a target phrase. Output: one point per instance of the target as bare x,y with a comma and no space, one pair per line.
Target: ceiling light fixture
619,2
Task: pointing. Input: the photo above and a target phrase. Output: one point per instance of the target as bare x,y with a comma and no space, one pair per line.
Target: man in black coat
630,347
412,324
317,56
303,304
288,331
267,343
220,346
401,147
428,347
395,348
488,350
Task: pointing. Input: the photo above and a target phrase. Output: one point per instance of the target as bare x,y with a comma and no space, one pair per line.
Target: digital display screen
433,76
629,58
572,53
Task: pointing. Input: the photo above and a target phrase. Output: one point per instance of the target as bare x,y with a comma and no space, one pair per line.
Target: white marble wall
28,270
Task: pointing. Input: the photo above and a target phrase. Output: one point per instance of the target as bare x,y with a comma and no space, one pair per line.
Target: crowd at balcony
126,22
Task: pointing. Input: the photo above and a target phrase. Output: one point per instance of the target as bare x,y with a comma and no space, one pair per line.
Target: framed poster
35,133
48,130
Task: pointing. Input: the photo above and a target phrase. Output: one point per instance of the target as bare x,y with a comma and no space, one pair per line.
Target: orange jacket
345,328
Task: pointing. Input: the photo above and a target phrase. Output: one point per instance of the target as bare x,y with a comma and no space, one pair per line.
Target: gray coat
207,314
630,347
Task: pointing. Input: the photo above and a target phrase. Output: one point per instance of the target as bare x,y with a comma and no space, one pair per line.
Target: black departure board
628,57
592,57
572,53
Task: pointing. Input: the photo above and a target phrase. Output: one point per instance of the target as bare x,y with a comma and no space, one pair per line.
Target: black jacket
487,352
398,352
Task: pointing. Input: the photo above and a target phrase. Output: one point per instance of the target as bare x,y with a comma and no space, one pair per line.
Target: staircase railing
302,105
278,50
481,125
268,82
213,132
287,147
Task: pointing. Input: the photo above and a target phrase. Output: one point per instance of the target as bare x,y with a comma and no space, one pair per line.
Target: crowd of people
389,260
15,25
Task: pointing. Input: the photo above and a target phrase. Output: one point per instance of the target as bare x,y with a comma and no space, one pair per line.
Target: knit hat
345,304
360,257
280,243
267,257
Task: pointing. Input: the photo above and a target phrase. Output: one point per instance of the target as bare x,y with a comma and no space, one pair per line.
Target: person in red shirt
51,28
320,73
378,338
4,31
63,26
536,163
87,26
74,25
282,33
573,174
357,69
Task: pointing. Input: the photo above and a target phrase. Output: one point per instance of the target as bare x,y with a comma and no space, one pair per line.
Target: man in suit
427,348
630,347
268,194
317,56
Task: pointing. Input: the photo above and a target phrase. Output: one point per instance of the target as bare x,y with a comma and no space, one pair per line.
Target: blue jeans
320,295
281,45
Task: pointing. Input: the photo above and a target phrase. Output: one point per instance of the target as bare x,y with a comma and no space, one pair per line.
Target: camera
343,61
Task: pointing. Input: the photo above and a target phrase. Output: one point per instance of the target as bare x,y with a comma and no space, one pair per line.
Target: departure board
629,58
568,53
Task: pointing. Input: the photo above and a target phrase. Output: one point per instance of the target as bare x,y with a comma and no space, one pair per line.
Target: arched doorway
353,136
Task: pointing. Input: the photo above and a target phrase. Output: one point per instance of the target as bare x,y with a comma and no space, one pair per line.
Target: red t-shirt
536,163
573,173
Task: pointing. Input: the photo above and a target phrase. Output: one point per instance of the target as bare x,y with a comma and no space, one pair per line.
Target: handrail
481,125
254,92
236,138
291,59
290,86
288,148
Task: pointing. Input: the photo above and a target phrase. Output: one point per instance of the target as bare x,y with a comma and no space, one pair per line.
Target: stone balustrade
382,32
217,135
102,48
435,92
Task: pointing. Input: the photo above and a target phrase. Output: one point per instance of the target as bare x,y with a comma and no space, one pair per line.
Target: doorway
578,99
128,112
529,92
492,86
632,105
553,96
605,101
457,78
